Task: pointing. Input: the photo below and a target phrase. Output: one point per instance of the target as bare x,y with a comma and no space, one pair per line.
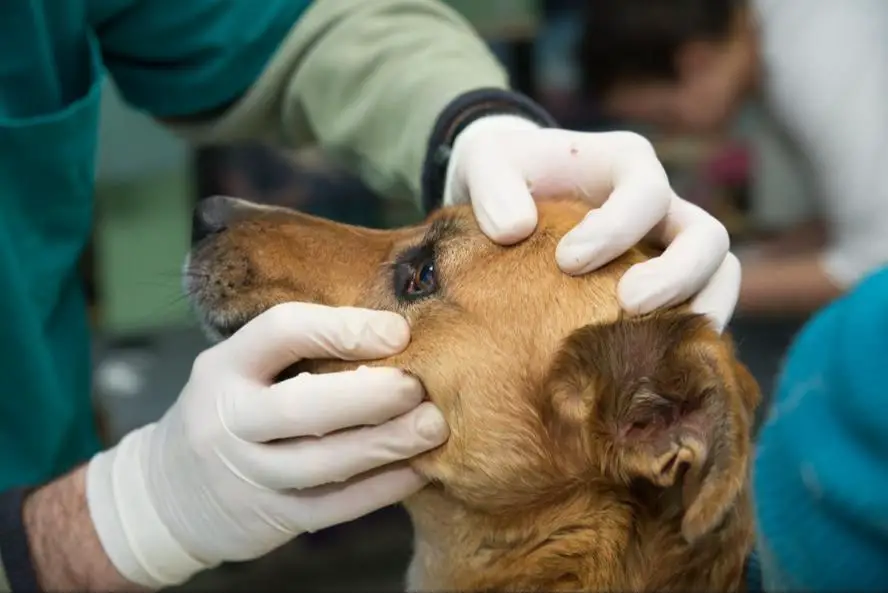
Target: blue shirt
167,58
821,470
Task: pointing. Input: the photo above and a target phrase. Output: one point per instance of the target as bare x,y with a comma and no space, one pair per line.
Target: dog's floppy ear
660,399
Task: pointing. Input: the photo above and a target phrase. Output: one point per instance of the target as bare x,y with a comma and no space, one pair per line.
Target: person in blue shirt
821,469
406,93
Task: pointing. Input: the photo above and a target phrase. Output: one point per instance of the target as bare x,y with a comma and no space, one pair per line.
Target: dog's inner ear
660,438
644,399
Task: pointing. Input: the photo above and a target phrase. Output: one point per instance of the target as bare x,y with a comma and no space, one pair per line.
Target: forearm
65,548
794,285
57,534
367,81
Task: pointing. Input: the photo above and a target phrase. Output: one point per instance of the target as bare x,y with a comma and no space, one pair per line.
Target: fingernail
392,329
431,426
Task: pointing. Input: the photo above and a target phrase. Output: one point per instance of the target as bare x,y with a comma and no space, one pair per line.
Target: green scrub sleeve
367,81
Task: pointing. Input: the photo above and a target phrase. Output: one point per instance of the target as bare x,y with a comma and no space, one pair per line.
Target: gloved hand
502,163
214,480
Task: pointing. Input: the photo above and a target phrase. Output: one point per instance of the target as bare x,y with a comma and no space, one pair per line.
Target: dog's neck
590,541
547,548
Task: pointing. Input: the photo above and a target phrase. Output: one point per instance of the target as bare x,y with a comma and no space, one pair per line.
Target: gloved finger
503,205
628,215
316,405
580,165
696,245
310,462
639,200
718,299
359,496
290,332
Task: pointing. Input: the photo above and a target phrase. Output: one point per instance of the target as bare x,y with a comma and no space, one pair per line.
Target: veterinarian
406,92
819,68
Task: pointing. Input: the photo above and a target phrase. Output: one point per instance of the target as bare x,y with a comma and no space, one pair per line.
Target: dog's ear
659,399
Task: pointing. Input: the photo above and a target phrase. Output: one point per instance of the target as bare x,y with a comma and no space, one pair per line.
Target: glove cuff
132,533
455,117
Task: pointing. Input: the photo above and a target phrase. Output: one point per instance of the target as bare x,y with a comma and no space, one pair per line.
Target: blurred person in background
820,70
408,95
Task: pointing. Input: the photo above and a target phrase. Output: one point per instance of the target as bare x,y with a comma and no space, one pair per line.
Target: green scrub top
168,59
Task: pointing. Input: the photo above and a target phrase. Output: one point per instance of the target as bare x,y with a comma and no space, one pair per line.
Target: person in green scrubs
54,58
406,93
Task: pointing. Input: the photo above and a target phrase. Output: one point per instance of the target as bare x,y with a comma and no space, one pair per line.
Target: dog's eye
419,280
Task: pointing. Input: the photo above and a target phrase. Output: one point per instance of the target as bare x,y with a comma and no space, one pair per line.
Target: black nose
211,216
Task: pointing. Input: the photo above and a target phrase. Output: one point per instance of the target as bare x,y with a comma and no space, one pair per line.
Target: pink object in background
729,166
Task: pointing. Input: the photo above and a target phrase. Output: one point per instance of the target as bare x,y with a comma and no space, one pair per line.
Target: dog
589,450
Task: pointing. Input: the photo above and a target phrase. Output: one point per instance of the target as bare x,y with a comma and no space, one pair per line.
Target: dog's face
541,381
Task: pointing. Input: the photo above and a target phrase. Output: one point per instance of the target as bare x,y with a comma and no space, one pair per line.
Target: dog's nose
211,216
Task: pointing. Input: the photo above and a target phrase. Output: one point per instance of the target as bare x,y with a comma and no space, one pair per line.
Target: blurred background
145,336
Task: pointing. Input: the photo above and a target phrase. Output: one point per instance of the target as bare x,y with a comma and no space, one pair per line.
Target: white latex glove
501,164
213,480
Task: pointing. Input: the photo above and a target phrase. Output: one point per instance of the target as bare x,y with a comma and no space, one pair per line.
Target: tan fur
588,451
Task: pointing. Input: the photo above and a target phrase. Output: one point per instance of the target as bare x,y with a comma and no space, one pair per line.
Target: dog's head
544,384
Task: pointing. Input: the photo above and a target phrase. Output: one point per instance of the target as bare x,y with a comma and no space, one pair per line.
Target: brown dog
587,452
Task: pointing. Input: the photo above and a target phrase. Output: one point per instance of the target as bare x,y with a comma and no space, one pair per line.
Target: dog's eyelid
425,249
405,268
442,229
429,247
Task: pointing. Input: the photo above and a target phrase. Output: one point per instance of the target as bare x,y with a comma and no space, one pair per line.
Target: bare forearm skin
65,549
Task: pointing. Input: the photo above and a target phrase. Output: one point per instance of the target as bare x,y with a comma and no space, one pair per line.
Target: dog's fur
588,451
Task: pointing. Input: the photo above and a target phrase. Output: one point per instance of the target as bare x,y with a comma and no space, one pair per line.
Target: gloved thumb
497,189
504,207
289,332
